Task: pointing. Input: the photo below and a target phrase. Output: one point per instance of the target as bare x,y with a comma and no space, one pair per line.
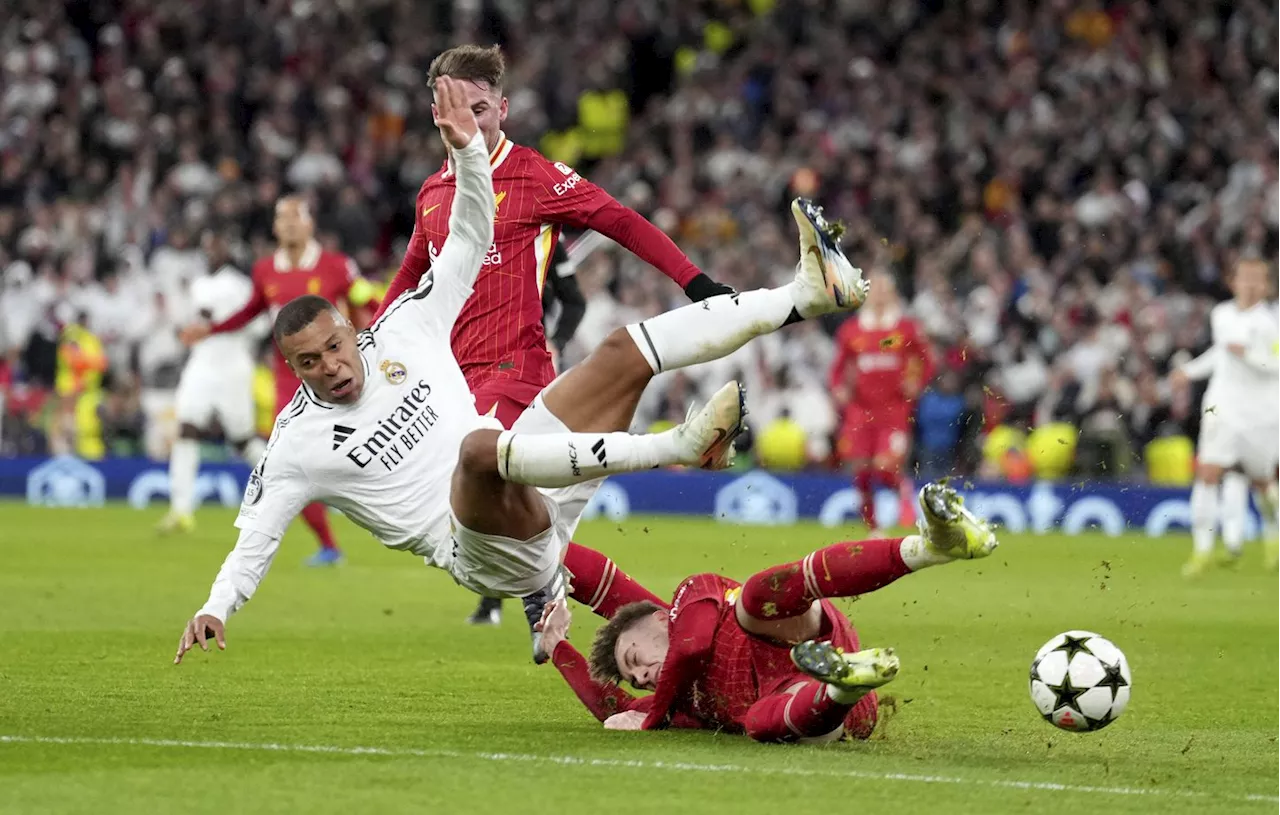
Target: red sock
840,570
861,720
600,584
317,518
865,481
806,714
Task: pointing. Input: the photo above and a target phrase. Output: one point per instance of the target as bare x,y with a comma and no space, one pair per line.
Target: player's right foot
951,530
174,523
535,604
826,281
706,437
850,675
1199,563
325,557
488,612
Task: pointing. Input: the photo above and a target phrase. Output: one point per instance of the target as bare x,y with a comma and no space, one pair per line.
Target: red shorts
505,399
882,432
745,668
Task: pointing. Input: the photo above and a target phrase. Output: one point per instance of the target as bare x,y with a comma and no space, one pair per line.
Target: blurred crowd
1058,187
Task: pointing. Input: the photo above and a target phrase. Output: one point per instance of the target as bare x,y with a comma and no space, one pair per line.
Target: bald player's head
293,225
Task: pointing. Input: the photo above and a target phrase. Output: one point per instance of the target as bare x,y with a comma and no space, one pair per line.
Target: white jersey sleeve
278,487
453,272
240,574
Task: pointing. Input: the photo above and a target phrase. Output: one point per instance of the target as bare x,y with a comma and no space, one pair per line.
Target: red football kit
498,339
276,282
887,363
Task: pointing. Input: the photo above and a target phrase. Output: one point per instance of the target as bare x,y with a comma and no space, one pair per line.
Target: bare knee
622,357
1209,474
478,454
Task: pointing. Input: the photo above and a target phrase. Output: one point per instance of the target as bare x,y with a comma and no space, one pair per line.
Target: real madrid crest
394,371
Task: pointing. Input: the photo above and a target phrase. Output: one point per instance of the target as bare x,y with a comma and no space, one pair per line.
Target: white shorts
497,566
226,394
1255,450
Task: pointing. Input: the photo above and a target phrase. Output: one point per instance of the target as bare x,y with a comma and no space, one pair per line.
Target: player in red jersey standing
498,338
882,365
771,657
298,266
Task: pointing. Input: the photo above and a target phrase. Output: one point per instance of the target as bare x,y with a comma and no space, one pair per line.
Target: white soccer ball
1080,681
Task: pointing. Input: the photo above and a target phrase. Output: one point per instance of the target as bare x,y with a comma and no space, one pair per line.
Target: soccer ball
1080,681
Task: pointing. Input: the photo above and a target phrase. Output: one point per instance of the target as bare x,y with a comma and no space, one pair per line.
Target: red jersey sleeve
695,613
415,263
846,356
564,197
602,699
256,305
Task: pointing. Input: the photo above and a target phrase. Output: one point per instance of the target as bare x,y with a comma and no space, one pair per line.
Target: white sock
184,462
1204,516
1234,509
1269,507
916,554
562,459
846,696
710,329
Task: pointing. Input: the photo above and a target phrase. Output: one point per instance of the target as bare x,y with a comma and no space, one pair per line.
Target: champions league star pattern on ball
1080,681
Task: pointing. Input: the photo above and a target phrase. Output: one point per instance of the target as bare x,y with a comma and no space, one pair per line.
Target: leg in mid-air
781,604
575,432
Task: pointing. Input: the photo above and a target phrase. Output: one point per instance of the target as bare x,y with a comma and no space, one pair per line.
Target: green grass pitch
375,654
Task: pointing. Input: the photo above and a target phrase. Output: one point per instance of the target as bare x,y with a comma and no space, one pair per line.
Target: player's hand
554,625
1236,348
192,334
199,631
452,113
626,720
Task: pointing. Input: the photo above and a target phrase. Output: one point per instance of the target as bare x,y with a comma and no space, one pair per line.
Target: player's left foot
325,557
174,523
706,437
488,612
825,282
1197,565
535,604
949,528
849,675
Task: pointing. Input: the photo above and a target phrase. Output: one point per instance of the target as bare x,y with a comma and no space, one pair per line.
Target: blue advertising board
755,497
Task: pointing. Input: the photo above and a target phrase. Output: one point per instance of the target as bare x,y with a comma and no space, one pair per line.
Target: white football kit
218,377
1240,414
387,460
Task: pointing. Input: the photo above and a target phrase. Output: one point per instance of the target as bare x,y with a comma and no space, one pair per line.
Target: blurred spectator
1057,187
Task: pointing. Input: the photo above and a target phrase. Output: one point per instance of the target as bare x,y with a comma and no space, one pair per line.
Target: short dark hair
470,62
603,662
299,313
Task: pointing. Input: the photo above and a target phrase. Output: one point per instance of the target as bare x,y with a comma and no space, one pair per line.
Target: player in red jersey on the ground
883,363
771,657
298,266
498,338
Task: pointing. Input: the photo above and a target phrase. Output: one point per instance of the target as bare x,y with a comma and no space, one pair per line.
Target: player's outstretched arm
471,220
691,636
236,582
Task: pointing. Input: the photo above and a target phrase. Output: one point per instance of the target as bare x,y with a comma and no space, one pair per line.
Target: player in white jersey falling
385,429
216,382
1240,419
